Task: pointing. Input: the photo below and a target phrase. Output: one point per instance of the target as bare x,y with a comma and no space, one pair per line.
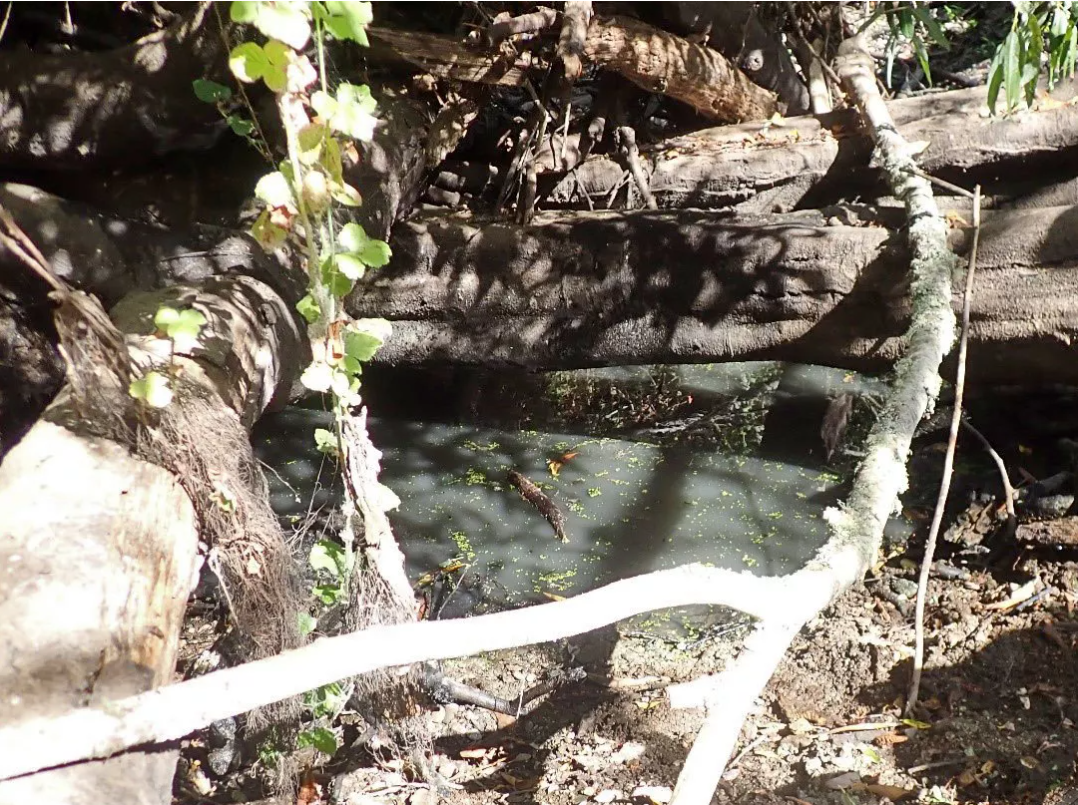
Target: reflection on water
630,507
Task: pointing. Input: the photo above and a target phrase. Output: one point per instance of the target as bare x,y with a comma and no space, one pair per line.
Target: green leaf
210,91
352,237
248,62
307,624
323,104
331,160
363,337
308,308
328,594
184,331
244,11
344,193
284,21
317,377
275,189
350,265
348,20
355,112
935,31
239,125
153,389
375,253
275,74
325,441
268,234
311,139
320,738
336,283
1012,86
329,556
165,317
342,384
995,80
922,58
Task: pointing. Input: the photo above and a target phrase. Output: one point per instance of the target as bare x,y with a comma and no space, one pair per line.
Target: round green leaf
352,237
239,125
350,265
165,317
309,309
248,62
210,91
243,11
152,388
375,253
284,21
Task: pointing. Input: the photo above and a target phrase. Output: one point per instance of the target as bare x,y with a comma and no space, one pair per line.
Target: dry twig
948,464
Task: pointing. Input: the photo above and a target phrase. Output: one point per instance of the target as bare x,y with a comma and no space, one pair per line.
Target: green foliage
300,199
350,113
1043,38
909,22
181,326
153,389
210,91
320,738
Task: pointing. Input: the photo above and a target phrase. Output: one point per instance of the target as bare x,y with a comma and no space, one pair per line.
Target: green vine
300,199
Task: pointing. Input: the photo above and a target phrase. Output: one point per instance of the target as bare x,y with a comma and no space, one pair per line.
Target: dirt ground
996,724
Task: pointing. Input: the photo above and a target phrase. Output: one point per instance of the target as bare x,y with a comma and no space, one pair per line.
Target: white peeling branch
857,527
171,712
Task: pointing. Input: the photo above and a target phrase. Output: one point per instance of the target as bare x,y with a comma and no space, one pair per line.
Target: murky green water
630,507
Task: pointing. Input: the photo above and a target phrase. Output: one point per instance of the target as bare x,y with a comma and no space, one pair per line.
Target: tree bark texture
591,289
812,161
121,107
653,59
98,553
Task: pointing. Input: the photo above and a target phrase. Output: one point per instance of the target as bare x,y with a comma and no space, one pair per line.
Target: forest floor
996,724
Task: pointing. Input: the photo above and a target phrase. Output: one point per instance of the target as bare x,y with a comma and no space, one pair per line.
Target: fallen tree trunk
100,544
605,289
121,107
650,57
808,162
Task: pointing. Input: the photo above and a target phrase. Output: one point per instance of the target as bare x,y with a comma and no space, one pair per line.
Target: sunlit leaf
275,190
317,377
352,238
308,308
350,265
248,62
153,389
284,21
320,738
325,441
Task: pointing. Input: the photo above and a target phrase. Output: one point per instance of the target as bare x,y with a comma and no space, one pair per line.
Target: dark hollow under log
605,289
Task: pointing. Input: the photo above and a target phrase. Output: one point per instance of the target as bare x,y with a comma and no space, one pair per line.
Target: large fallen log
650,57
804,162
591,289
99,543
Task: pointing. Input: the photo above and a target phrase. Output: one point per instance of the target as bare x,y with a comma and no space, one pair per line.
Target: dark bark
114,108
651,58
736,31
606,289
